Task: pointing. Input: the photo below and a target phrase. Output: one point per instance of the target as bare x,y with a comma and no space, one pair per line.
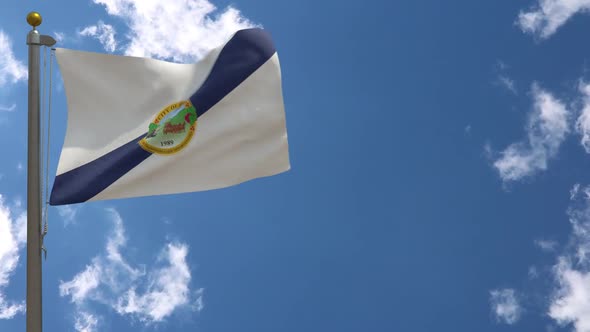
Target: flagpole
34,280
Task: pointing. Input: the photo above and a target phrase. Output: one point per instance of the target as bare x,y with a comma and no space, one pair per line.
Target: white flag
139,127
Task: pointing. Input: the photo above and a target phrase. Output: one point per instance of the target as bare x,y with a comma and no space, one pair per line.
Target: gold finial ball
34,19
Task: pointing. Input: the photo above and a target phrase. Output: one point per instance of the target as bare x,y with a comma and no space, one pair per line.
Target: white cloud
118,270
574,191
503,79
198,305
507,83
547,16
580,221
11,69
583,121
68,213
86,322
196,25
10,108
167,288
502,66
571,304
83,283
108,271
569,294
467,129
546,130
570,301
150,296
546,245
8,311
59,37
505,305
13,236
105,33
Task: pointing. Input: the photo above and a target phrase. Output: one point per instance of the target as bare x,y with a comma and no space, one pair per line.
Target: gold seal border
154,149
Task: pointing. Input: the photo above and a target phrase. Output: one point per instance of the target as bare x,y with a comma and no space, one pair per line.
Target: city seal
172,129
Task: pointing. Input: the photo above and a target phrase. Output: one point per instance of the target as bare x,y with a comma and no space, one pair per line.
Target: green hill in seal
186,115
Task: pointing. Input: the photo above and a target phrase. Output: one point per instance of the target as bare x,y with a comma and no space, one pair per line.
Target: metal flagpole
34,303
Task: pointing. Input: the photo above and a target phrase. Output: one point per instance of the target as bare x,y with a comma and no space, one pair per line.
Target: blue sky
439,154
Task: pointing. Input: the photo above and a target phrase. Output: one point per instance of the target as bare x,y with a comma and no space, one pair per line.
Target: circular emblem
172,129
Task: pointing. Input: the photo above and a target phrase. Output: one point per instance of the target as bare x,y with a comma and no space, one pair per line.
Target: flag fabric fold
141,127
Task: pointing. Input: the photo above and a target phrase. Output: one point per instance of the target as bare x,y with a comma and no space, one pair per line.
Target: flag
141,127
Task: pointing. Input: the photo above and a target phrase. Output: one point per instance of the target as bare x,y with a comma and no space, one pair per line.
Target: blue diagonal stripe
240,57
